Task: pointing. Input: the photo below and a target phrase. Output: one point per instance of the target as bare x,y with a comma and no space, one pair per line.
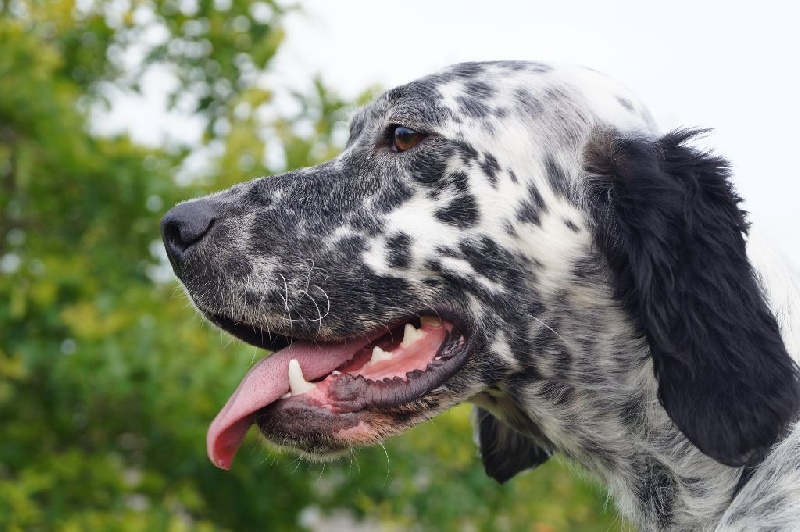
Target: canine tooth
378,355
297,383
430,321
410,335
336,372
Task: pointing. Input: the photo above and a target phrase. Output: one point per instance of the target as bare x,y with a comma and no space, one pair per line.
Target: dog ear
504,451
668,220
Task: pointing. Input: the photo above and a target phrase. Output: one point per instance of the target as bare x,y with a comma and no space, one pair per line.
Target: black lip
350,393
298,423
251,334
354,393
273,341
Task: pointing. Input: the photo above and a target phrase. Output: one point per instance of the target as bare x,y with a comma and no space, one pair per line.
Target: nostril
185,225
178,238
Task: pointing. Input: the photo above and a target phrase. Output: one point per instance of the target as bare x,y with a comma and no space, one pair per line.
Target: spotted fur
614,310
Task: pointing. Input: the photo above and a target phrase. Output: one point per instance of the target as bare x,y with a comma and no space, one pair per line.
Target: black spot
466,151
447,251
459,181
457,284
523,351
556,95
534,306
490,168
600,455
434,265
429,166
462,212
632,411
398,250
454,116
527,103
558,393
536,198
520,66
541,68
526,212
571,225
472,107
656,489
561,363
512,176
556,177
479,89
532,208
468,69
626,103
493,262
350,245
392,196
423,94
697,487
367,223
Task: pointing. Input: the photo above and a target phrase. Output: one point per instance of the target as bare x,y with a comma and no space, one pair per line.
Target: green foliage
108,379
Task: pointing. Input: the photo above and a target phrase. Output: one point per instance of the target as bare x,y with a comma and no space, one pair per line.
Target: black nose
184,225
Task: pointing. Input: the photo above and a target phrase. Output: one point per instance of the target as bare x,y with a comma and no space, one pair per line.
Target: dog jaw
353,383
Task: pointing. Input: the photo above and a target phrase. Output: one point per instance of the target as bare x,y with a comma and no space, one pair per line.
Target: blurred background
111,112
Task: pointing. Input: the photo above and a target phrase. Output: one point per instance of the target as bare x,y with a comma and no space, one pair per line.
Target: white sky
729,65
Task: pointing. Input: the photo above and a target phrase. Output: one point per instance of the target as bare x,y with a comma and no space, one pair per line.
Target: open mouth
332,388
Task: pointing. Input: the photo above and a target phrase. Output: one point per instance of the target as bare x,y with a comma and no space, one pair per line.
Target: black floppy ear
669,222
504,451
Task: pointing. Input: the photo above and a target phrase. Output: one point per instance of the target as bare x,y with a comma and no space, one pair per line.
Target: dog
520,236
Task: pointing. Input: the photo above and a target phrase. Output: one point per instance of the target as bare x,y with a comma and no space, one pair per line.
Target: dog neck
594,399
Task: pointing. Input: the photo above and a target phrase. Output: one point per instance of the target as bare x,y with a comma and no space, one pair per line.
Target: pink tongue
264,384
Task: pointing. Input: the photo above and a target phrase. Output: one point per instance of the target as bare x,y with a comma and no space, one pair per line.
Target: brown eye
405,138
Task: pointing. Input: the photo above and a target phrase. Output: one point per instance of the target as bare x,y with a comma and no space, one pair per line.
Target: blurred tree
107,378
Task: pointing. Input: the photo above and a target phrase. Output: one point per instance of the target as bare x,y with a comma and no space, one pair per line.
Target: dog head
475,224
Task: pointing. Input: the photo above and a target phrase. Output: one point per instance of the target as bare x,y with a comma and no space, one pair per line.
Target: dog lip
351,392
307,424
263,384
270,339
251,334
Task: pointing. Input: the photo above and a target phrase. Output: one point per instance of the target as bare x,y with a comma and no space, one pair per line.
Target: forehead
502,90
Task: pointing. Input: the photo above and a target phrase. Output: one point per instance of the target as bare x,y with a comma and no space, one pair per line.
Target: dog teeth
297,383
379,355
410,335
430,321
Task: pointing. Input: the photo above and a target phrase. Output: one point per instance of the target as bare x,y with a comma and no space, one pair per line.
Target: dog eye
405,138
